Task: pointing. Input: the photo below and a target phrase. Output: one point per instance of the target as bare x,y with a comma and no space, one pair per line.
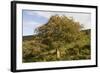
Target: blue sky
34,19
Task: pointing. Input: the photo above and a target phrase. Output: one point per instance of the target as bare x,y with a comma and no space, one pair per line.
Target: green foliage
59,39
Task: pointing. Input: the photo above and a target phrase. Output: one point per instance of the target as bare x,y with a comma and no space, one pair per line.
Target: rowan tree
61,32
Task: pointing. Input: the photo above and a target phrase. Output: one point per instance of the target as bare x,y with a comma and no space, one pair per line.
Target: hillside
38,55
29,37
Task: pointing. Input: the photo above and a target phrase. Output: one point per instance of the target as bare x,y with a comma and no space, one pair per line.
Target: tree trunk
58,53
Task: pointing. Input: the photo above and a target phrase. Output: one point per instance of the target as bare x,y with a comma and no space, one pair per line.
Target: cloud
82,18
29,27
45,15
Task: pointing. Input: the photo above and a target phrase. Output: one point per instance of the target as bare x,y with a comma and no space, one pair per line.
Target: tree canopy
60,30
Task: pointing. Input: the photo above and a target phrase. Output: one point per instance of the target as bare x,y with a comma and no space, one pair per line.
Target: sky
33,19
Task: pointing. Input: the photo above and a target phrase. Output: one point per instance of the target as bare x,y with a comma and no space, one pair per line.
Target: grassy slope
84,53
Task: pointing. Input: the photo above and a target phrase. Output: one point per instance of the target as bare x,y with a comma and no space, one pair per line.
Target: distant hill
29,37
87,31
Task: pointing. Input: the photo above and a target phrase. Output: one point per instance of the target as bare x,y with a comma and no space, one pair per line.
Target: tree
61,31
